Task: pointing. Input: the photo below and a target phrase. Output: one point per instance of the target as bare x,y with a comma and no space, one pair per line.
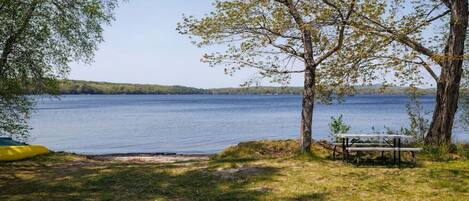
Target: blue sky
142,46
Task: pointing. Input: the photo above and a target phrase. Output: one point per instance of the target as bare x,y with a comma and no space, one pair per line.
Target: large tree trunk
450,77
308,94
309,83
307,112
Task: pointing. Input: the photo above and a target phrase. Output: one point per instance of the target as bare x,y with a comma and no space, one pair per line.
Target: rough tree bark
307,111
309,79
451,70
310,68
308,94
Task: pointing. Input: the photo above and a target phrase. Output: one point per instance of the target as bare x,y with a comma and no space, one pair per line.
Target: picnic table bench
384,143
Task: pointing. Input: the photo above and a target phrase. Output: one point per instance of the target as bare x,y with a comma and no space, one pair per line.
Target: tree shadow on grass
375,160
309,196
136,182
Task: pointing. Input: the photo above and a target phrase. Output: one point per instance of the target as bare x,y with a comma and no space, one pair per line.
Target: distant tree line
86,87
90,87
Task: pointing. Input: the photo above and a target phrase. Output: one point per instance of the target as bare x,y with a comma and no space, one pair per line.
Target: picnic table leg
399,151
358,157
343,149
333,152
347,145
394,152
382,158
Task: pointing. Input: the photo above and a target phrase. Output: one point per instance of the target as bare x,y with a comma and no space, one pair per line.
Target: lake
102,124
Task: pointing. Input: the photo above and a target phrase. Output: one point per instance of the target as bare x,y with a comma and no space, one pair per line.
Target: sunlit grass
267,170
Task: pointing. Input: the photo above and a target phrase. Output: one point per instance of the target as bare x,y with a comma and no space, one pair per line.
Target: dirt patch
149,158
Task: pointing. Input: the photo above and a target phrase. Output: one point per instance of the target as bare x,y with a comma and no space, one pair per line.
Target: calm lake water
99,124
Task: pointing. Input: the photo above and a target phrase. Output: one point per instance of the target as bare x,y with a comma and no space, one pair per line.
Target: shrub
440,153
337,126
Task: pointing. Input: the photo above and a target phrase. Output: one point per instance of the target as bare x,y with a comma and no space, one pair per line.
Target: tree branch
403,38
270,70
264,27
340,39
438,16
305,34
285,48
447,3
293,12
429,69
422,62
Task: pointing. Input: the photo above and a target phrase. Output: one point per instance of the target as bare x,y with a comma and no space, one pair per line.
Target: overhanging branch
404,39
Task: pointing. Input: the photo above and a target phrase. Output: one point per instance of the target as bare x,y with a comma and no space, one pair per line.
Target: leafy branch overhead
38,40
417,38
281,37
267,35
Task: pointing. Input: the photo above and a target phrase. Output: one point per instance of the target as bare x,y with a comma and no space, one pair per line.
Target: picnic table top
361,135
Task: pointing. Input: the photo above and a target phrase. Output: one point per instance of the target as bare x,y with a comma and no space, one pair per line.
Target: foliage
443,153
337,126
426,36
38,40
263,35
419,125
13,117
407,50
440,153
373,89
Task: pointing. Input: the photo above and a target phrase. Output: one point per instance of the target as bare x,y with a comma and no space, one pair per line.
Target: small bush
445,153
337,126
440,153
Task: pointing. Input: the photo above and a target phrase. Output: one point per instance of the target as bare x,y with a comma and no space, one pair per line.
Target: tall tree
414,27
38,39
280,37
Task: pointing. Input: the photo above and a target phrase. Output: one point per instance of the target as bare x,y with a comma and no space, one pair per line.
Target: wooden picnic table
393,141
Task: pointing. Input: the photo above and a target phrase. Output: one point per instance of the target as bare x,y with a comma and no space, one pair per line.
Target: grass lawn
267,170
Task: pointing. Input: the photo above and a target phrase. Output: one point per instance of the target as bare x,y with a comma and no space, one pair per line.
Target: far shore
93,87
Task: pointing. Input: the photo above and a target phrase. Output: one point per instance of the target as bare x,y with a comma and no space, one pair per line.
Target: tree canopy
426,35
281,37
38,39
263,35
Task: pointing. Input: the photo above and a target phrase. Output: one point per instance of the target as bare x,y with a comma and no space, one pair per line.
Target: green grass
265,170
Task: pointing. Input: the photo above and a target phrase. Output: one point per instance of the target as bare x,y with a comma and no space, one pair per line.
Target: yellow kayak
18,152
